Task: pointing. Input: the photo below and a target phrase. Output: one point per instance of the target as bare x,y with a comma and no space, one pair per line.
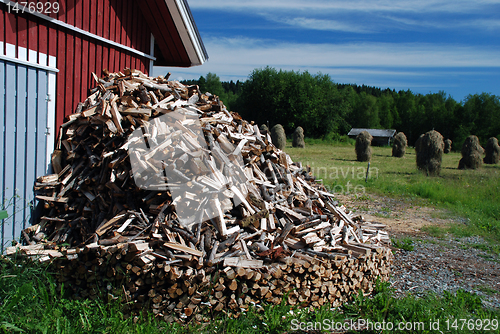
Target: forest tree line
328,110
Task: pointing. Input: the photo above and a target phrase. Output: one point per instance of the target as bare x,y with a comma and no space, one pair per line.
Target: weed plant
403,243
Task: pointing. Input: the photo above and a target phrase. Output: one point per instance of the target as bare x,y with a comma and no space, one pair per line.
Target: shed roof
386,133
177,40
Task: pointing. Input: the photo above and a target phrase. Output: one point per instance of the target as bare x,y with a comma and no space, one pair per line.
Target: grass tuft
435,231
403,243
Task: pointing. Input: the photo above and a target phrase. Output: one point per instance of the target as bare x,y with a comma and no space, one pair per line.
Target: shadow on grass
346,160
399,173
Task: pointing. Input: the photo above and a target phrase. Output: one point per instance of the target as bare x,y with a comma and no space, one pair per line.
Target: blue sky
425,45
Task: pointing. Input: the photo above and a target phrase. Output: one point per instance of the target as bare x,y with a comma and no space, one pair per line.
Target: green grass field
471,195
30,303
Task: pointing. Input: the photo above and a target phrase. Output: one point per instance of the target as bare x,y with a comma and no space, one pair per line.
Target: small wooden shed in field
48,51
381,137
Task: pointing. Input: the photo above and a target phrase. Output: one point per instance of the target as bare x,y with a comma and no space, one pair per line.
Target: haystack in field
278,136
263,129
399,145
447,146
363,146
298,138
492,150
472,154
429,148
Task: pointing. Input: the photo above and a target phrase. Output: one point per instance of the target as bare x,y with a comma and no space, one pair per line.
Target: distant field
473,195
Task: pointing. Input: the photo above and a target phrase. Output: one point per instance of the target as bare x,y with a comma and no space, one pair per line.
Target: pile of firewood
216,219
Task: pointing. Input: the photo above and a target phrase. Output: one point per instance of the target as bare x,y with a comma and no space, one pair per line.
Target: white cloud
422,6
257,52
365,16
319,24
383,22
398,66
487,24
450,24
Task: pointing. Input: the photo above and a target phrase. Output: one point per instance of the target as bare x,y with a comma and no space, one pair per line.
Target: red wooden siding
78,55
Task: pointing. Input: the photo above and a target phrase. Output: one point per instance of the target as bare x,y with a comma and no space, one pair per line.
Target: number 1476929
33,7
472,324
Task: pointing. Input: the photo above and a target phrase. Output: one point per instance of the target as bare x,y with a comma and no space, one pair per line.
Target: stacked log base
180,292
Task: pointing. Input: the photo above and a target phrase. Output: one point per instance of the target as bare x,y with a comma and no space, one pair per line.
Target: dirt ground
435,264
401,216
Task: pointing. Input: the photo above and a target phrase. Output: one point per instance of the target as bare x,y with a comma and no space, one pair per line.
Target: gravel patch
438,265
435,264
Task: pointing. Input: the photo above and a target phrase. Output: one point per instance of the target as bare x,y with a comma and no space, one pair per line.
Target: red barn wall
78,55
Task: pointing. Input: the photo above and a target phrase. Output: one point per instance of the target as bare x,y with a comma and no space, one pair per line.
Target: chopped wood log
183,248
244,263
